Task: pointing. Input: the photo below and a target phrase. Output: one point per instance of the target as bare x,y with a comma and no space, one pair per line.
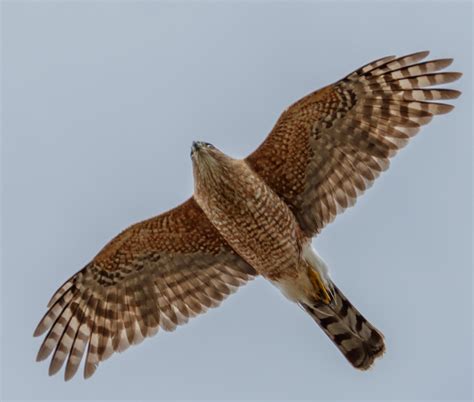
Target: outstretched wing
330,146
157,273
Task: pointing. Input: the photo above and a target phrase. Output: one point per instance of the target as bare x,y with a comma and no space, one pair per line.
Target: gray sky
101,101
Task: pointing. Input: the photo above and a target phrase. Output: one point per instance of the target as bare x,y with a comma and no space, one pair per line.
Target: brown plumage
249,217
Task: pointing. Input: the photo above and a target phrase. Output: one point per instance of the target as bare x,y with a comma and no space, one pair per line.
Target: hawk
249,217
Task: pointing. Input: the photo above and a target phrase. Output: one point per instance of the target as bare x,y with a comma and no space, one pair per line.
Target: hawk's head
201,146
209,163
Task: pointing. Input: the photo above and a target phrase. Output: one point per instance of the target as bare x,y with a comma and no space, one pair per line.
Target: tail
358,340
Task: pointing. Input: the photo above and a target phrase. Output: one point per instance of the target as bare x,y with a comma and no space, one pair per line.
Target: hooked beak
194,146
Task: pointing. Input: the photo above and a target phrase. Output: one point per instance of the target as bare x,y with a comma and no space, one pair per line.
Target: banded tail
358,340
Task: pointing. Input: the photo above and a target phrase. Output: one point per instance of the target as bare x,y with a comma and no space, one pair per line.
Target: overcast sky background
101,101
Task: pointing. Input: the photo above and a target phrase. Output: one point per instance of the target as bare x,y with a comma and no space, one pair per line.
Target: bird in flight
252,216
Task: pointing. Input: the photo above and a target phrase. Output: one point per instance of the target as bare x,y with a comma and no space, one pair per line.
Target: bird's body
252,219
249,217
257,224
259,227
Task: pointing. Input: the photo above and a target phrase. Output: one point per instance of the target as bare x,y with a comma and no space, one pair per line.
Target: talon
319,285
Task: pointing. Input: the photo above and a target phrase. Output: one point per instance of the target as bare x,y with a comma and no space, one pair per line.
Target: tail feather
358,340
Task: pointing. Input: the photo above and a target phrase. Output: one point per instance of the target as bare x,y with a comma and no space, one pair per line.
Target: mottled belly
257,224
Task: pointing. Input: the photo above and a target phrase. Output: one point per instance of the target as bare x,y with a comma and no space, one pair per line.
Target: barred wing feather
156,274
329,147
